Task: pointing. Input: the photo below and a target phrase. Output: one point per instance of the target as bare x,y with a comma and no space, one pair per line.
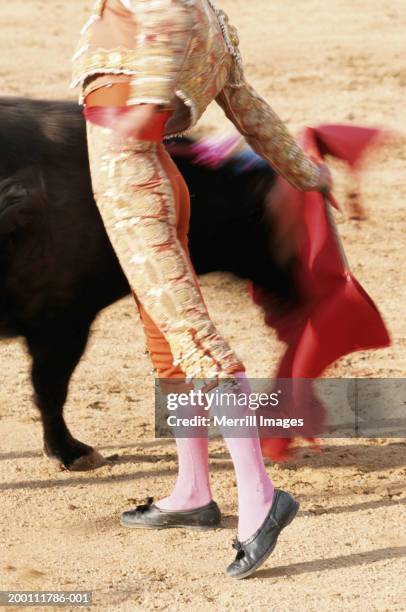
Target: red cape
337,316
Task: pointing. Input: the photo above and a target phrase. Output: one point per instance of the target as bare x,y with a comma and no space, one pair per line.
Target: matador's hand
325,180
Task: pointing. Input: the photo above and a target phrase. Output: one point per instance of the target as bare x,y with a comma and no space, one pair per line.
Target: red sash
106,116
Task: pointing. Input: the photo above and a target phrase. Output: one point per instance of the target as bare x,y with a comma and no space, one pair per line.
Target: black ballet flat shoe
252,553
149,516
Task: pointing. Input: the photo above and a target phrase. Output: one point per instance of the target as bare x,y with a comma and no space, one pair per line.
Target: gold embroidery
183,70
192,50
107,61
268,135
163,26
138,211
229,32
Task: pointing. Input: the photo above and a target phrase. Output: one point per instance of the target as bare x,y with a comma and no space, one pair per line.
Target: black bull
57,267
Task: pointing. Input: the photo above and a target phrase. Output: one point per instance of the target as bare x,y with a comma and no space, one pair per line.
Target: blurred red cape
337,316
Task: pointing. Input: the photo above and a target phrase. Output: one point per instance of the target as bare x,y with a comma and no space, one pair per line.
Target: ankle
253,511
185,500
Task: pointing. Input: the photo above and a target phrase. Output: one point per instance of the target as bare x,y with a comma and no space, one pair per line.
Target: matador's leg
138,207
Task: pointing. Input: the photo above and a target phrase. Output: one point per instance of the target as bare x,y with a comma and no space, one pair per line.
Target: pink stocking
255,488
192,488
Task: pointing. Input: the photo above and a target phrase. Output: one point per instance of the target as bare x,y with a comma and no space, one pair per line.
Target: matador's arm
163,36
267,134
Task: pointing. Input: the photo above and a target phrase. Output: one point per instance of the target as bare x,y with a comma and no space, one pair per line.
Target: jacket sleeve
163,37
267,134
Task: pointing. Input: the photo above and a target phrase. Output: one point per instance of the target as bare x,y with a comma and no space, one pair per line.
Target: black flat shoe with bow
149,516
252,553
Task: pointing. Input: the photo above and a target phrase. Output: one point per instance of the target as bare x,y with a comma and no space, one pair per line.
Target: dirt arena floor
341,61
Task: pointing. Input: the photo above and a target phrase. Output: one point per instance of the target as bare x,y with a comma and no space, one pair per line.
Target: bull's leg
55,354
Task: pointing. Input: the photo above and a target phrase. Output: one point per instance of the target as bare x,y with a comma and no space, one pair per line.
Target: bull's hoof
75,456
87,462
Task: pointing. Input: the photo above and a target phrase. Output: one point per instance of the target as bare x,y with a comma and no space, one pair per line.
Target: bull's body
57,267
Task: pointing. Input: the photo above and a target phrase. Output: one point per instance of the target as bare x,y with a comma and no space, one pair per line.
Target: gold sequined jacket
183,54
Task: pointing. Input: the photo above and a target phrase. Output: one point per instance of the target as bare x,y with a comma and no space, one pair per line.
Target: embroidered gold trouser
145,206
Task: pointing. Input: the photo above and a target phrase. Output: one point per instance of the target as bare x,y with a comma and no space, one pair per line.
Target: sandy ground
341,60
